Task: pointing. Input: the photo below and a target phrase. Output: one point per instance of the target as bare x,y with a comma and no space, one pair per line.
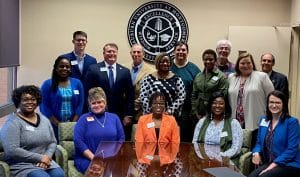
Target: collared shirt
227,69
135,73
80,61
114,69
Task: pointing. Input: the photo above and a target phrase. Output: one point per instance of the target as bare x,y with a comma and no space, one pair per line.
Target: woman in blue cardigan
62,95
277,152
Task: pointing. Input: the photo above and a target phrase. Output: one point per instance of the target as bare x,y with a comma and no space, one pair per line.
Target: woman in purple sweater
94,127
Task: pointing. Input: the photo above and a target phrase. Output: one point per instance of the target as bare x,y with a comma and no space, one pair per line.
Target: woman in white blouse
247,92
218,128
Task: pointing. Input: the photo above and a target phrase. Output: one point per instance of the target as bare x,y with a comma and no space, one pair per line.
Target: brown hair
242,56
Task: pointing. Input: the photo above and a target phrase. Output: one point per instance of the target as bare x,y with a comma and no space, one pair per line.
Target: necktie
111,76
135,69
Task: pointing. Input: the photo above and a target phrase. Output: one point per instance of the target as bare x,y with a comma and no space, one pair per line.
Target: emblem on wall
157,26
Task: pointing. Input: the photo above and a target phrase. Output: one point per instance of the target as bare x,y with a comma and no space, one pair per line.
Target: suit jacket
120,98
286,141
280,82
88,60
144,71
169,130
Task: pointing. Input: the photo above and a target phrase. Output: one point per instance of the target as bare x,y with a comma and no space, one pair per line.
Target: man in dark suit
80,61
279,80
115,80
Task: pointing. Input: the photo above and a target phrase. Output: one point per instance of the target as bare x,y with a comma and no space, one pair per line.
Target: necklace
100,123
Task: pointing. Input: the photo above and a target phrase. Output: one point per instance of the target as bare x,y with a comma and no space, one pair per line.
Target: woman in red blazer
157,126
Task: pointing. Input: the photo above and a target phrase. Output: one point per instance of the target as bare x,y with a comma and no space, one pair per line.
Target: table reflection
103,162
128,159
156,159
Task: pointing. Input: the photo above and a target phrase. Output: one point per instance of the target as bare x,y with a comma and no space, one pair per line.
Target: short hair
96,93
159,57
240,57
137,44
55,76
209,52
81,33
156,95
26,89
272,56
215,95
180,43
111,45
285,105
224,41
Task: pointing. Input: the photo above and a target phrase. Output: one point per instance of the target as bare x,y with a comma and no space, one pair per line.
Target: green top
226,141
203,86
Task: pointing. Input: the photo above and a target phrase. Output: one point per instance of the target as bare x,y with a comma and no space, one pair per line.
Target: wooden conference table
131,159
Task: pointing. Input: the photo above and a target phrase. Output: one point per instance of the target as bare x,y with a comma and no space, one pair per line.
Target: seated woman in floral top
219,129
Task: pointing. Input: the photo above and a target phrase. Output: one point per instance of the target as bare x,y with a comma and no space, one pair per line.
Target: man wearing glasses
80,61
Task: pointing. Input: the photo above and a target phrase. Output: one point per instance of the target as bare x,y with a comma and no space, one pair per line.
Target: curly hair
215,95
26,89
156,95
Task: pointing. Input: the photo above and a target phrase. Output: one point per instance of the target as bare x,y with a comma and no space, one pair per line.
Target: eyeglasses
275,102
158,104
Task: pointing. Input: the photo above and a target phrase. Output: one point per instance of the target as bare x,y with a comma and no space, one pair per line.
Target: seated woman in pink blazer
157,126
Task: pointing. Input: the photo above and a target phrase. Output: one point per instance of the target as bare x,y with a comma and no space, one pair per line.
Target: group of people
172,102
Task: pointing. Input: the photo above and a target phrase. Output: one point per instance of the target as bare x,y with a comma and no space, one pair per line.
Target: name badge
29,128
103,69
215,78
74,62
76,92
90,118
264,123
150,125
223,134
150,157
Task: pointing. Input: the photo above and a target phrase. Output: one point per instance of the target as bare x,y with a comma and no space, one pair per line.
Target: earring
211,116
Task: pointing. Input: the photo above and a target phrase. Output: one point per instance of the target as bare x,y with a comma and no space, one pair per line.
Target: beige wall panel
295,13
47,27
261,39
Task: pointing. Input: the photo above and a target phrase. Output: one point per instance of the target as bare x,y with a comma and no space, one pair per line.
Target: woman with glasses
277,153
157,126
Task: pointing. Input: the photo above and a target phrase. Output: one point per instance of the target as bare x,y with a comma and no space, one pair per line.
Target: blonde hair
96,93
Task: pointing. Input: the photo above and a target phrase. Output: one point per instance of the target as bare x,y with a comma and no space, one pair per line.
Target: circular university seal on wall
157,26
